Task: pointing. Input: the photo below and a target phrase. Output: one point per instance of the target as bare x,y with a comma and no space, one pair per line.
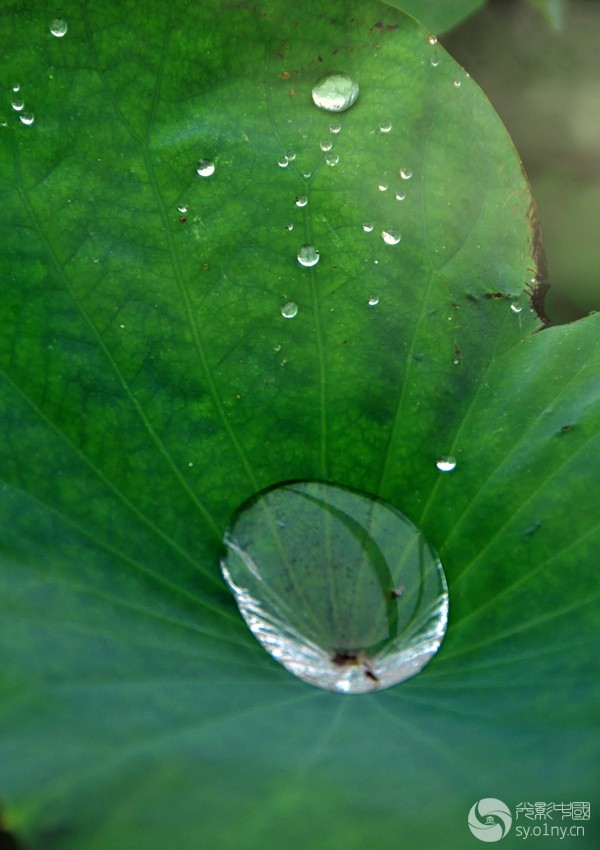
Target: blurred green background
545,85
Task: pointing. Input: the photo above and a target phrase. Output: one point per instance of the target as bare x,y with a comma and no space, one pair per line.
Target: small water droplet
332,159
385,126
283,162
435,61
373,301
16,87
367,227
383,187
457,84
516,308
289,225
308,256
306,174
277,346
335,92
446,463
432,40
27,118
326,145
289,310
335,127
206,168
291,155
58,27
316,570
3,122
405,173
182,208
17,104
301,201
400,196
390,237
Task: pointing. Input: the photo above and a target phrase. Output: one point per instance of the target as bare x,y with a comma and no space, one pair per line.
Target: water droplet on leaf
390,237
435,61
58,28
383,187
446,463
367,227
335,92
16,87
332,159
283,162
301,201
373,301
182,208
308,255
385,126
432,40
400,196
27,118
335,127
457,84
516,308
206,168
17,104
289,310
316,570
405,173
326,145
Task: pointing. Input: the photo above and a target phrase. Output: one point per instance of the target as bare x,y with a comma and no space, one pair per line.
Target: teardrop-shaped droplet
206,168
59,28
339,586
308,255
390,237
335,92
446,463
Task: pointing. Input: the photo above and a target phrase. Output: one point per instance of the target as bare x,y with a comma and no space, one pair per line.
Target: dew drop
58,27
291,156
182,208
335,127
27,118
516,308
367,227
385,126
206,168
432,40
435,61
383,187
326,145
308,256
400,196
283,162
17,104
289,225
301,201
3,122
306,174
289,310
457,84
390,237
16,87
446,463
335,92
405,173
332,159
373,301
316,570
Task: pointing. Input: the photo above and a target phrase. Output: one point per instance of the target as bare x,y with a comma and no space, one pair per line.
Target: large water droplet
326,145
385,126
367,227
335,92
289,310
206,168
17,104
58,28
27,118
340,587
301,201
405,173
373,301
516,308
283,161
308,255
446,463
332,158
390,237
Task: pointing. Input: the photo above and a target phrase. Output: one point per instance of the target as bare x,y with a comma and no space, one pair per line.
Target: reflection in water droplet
335,92
400,196
385,126
308,255
301,201
332,159
367,227
326,145
206,168
516,308
390,237
27,118
58,28
340,587
335,127
283,162
289,310
446,463
373,300
405,173
17,104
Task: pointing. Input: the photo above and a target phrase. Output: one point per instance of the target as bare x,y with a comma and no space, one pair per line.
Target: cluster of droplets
18,104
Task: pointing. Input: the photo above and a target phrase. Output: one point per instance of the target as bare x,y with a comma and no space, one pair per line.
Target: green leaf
150,385
439,15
